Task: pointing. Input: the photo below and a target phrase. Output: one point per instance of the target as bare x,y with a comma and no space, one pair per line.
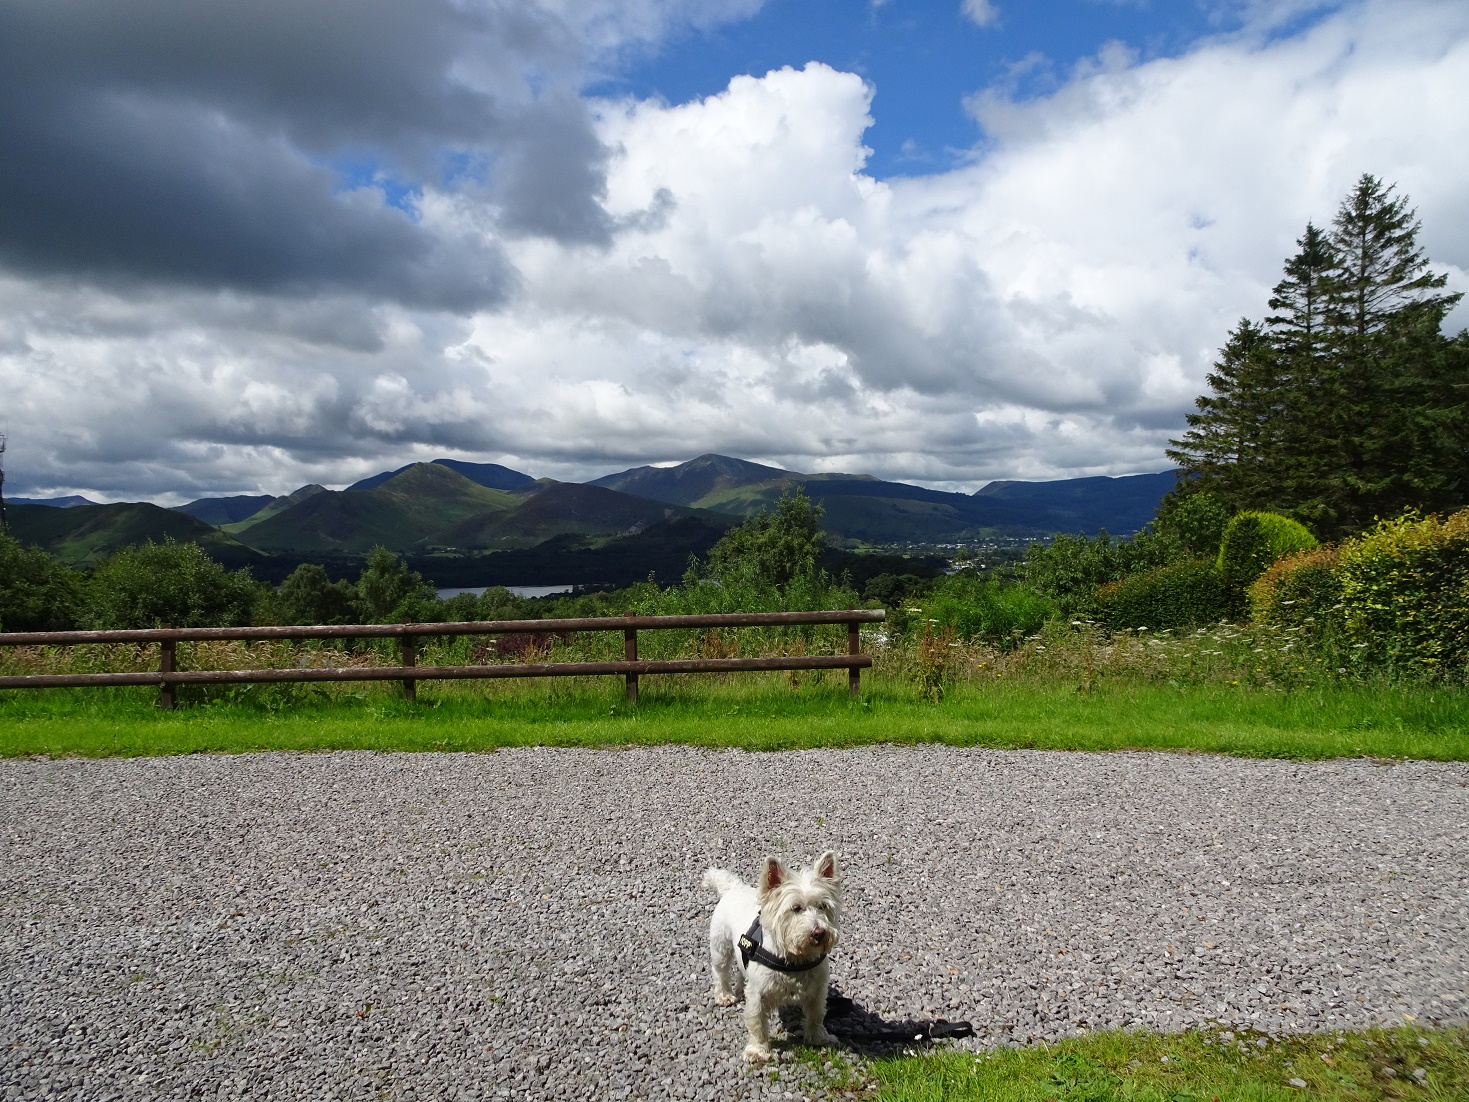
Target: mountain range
55,502
867,509
449,512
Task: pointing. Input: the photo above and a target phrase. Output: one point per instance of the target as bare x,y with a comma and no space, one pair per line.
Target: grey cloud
192,144
195,393
654,217
981,326
134,191
554,187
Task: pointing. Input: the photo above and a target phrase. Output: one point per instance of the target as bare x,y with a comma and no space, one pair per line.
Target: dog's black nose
818,934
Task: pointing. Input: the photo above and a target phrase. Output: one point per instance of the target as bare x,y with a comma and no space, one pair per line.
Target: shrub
935,661
37,593
1254,540
1182,594
308,596
971,605
169,583
1072,567
895,590
771,550
1195,521
1302,590
388,592
770,563
1405,595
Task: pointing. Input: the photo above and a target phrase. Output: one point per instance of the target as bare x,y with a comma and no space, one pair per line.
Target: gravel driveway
528,923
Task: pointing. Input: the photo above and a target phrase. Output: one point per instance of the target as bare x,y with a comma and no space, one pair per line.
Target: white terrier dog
772,944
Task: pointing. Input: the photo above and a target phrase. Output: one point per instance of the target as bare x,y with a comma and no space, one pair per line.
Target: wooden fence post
854,646
630,652
410,659
167,697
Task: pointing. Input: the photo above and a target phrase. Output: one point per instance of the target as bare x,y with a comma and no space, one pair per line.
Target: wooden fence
168,677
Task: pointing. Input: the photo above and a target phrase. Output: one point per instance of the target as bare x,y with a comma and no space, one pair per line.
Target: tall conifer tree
1300,298
1297,332
1233,439
1350,403
1379,277
1384,362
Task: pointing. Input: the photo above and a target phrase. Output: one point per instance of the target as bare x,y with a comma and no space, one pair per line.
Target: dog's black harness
752,947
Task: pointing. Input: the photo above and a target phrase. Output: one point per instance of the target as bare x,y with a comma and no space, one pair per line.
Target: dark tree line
1347,403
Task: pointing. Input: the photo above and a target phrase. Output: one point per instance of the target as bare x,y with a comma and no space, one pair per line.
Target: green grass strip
1430,1065
1318,723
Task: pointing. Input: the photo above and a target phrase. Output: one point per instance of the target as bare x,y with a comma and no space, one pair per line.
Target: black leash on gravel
859,1027
844,1017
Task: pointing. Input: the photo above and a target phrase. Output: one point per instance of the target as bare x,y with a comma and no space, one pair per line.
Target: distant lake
518,590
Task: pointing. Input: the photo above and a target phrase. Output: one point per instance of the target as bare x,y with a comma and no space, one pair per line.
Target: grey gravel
528,923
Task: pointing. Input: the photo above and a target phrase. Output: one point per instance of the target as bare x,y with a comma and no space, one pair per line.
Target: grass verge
1317,723
1431,1065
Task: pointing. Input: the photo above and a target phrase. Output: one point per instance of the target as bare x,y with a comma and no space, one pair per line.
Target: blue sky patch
924,57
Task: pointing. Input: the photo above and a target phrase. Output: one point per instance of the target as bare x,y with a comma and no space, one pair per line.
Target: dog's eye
797,909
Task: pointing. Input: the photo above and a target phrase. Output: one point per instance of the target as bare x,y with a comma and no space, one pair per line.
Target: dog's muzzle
752,947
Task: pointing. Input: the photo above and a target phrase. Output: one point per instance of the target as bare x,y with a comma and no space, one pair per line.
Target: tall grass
768,716
1228,689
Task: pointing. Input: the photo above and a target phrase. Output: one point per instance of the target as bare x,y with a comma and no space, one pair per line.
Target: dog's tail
721,880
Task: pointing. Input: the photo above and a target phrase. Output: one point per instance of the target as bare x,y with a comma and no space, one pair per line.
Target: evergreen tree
1301,297
1383,366
1233,442
1297,332
1379,278
1349,404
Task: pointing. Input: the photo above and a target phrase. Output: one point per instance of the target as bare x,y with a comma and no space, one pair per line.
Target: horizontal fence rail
168,678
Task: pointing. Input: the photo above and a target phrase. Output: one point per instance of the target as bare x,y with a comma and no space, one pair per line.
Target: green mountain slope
491,475
865,508
226,510
85,534
700,482
275,508
414,504
561,509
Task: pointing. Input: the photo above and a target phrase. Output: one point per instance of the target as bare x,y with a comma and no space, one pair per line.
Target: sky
246,246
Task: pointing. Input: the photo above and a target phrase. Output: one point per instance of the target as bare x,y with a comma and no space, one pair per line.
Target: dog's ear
826,866
772,876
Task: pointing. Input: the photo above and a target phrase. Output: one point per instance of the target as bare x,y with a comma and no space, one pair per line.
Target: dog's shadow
870,1034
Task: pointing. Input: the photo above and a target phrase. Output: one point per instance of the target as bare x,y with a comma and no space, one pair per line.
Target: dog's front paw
819,1036
756,1053
724,998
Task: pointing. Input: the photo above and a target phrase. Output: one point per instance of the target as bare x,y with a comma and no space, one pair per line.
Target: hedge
1298,588
1183,594
1254,540
1405,595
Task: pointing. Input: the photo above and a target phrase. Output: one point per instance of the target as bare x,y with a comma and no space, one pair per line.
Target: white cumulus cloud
1049,309
1046,309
